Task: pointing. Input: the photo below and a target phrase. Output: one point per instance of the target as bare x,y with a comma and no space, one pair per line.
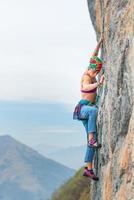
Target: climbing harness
76,113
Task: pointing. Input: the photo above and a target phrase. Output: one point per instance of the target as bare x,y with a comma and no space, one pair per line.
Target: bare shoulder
86,78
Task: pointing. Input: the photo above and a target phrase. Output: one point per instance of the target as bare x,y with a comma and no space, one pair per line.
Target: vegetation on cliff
78,187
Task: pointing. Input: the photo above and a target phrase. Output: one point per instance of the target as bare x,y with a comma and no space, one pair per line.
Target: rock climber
86,109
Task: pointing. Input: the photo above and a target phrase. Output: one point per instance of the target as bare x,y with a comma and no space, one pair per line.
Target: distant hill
77,188
72,157
25,174
46,150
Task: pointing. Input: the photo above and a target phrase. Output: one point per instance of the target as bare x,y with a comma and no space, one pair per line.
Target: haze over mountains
25,174
72,157
37,122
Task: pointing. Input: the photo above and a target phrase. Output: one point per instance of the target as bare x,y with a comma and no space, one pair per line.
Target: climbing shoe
90,174
93,144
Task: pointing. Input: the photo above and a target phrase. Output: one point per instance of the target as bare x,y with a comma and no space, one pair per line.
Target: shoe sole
95,147
91,177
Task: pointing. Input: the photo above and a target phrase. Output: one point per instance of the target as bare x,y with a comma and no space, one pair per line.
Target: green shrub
77,188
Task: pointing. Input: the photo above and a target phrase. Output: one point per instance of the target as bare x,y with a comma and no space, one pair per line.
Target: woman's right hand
102,79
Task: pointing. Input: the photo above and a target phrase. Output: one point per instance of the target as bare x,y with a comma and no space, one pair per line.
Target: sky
44,48
36,123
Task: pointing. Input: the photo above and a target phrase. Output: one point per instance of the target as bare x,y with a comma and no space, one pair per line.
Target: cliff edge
115,161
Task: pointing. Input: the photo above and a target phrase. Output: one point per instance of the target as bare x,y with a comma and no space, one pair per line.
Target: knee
94,110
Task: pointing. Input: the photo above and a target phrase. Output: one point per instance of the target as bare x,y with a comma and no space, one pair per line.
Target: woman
86,109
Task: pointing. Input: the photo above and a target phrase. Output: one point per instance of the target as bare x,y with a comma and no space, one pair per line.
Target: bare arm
88,86
95,53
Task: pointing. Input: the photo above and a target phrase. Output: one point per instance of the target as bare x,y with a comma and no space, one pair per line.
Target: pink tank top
89,91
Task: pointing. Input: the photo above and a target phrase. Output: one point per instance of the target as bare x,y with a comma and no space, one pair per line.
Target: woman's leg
92,116
91,128
90,113
89,151
88,171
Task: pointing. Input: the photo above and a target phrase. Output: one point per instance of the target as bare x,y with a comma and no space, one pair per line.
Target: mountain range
25,174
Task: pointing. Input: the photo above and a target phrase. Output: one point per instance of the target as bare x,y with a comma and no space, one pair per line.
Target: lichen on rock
115,161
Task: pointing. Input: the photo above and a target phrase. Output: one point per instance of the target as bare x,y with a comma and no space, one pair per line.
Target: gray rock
115,161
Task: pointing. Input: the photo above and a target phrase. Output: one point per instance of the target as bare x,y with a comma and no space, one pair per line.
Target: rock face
115,161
